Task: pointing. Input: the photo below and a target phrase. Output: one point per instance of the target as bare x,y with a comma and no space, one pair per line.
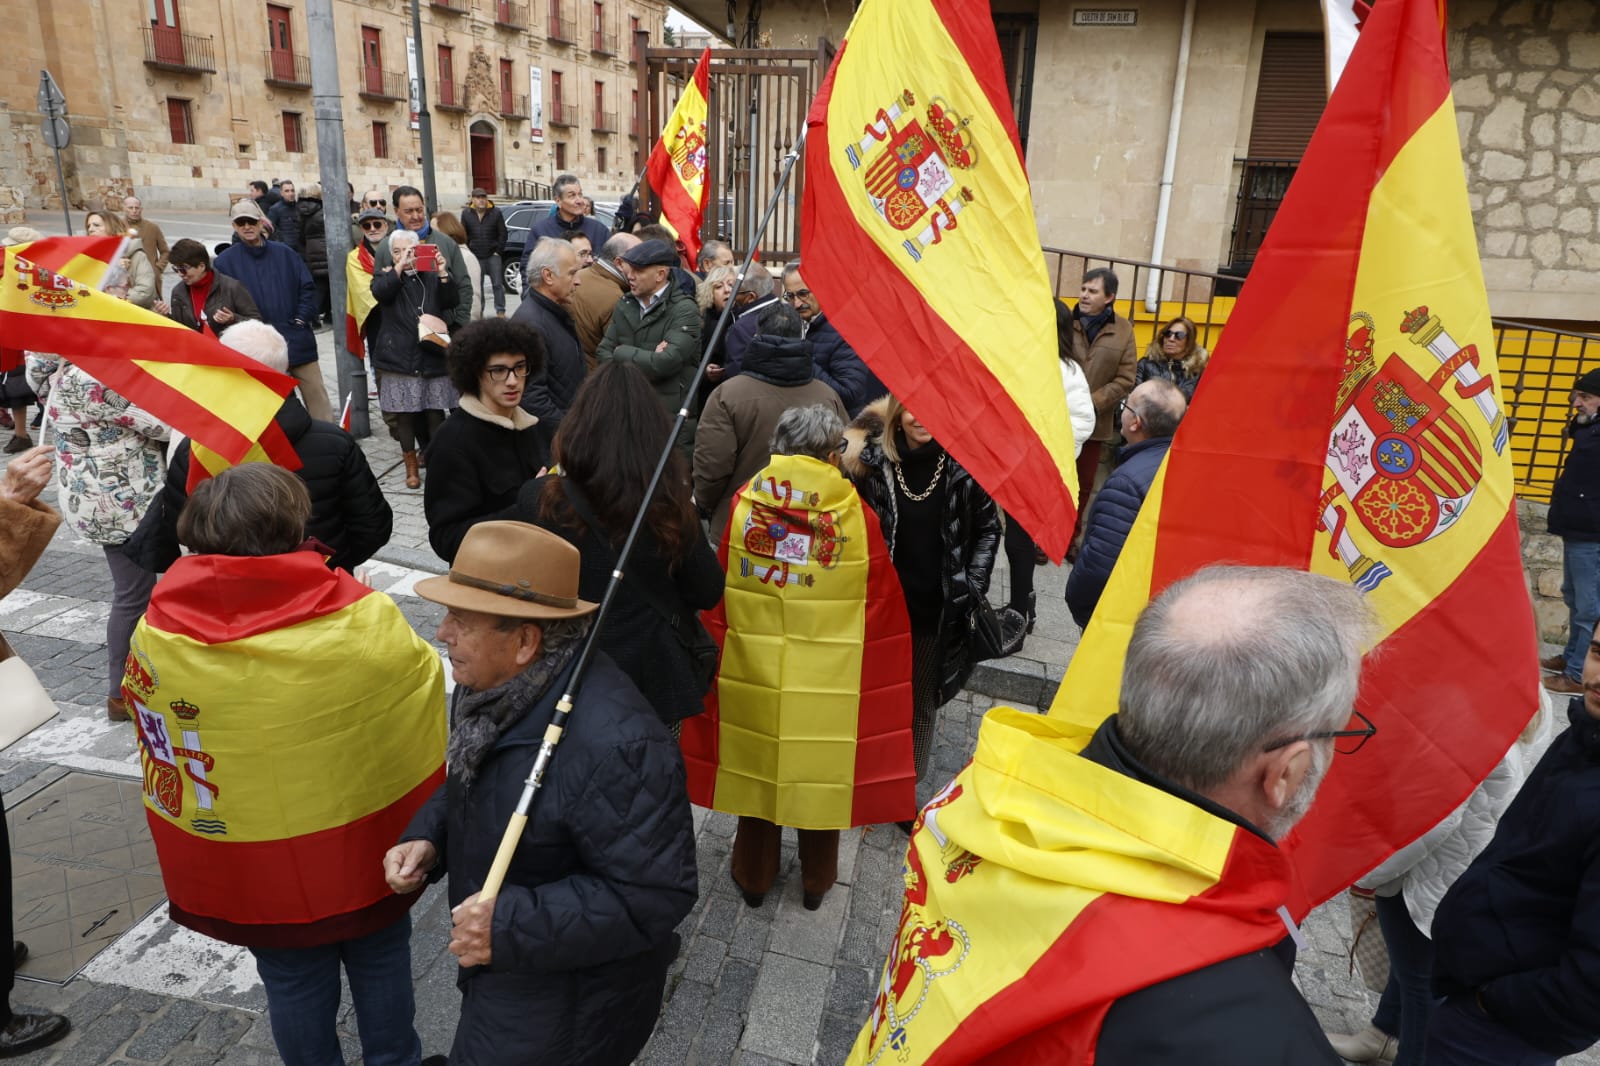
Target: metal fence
168,48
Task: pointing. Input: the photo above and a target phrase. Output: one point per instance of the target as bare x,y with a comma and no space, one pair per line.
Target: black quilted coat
971,534
605,870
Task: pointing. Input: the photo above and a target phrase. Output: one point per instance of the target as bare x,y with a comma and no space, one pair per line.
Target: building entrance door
483,158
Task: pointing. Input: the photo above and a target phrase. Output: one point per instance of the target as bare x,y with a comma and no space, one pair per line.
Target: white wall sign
1105,16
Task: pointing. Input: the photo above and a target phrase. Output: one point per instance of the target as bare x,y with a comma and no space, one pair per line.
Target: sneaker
1555,664
17,444
1564,685
1369,1045
31,1028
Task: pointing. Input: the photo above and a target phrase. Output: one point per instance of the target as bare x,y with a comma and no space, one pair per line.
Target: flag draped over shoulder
809,724
918,239
677,166
1042,886
222,400
358,301
1351,423
290,724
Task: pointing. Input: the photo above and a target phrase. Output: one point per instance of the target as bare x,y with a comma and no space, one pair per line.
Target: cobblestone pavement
752,987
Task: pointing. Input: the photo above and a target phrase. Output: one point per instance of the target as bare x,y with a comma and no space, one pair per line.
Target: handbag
697,643
24,703
1367,948
985,638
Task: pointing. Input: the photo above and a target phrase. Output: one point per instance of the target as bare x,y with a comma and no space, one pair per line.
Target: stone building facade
185,101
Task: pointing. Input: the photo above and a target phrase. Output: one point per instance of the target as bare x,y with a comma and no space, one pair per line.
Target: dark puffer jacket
348,510
1156,365
486,233
313,236
404,299
1109,521
583,927
838,365
1521,928
551,391
1575,500
970,531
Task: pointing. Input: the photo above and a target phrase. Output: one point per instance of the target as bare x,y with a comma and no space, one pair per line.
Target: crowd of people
798,498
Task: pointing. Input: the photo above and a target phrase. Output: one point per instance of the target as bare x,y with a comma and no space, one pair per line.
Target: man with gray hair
1140,855
753,296
817,431
713,254
600,286
553,279
571,214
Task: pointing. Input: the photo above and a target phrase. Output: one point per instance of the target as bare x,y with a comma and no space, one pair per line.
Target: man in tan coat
149,235
1102,343
600,286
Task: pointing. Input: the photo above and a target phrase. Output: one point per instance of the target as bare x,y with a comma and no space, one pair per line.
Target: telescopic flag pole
553,732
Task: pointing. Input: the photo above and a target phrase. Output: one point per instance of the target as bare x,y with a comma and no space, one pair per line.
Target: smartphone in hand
428,257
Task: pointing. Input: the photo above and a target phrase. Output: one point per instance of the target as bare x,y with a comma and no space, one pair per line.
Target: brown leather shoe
413,479
31,1028
1555,664
116,709
1563,684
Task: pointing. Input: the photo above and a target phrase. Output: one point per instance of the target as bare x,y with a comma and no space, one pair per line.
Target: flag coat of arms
677,165
290,724
1350,423
919,241
809,723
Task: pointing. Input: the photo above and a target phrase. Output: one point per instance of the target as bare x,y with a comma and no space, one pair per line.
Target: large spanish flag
221,399
1041,886
358,300
918,238
1351,423
290,722
809,723
677,165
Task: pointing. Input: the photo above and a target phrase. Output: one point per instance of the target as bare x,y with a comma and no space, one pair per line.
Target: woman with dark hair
481,456
1176,355
942,530
607,448
447,223
203,299
408,347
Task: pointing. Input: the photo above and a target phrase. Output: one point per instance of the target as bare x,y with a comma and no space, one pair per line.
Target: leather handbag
24,703
1367,947
985,637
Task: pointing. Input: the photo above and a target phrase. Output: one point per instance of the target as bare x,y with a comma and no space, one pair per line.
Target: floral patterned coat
109,459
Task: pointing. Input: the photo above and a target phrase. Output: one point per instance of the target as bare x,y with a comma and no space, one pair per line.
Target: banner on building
536,105
412,75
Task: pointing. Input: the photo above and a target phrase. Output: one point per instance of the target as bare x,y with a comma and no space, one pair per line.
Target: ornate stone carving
482,92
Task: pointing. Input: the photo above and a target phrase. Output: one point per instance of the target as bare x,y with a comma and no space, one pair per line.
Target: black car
520,218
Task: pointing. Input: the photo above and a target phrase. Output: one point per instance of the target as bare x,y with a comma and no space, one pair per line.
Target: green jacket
450,251
632,337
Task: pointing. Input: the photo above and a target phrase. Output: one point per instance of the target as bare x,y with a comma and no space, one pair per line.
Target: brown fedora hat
514,570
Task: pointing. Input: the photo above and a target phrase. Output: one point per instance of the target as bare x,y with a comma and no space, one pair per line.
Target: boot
116,709
1369,1045
413,481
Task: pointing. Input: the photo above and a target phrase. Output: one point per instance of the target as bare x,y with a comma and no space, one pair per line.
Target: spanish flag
918,238
290,722
221,399
358,299
677,166
1352,423
809,723
1042,886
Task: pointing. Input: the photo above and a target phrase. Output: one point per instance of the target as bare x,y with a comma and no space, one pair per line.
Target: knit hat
1589,383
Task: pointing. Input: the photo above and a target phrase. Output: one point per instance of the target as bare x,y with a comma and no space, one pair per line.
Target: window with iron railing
1263,183
170,49
287,70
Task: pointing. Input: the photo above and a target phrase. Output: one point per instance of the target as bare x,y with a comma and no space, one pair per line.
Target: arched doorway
482,140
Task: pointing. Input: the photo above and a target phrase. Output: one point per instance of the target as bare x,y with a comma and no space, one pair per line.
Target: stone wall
1527,95
1541,559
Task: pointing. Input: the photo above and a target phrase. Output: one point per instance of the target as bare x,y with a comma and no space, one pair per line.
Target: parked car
520,218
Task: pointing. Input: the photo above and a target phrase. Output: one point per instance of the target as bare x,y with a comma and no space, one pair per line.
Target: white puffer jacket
1080,403
1427,867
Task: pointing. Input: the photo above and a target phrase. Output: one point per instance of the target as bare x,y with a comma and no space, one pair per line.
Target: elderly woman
806,564
408,347
1176,355
237,638
110,467
204,300
712,295
141,272
943,530
483,453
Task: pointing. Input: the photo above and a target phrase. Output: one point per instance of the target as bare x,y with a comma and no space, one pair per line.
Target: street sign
57,134
52,101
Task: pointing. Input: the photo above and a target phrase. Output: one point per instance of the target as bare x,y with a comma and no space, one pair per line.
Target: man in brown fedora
567,964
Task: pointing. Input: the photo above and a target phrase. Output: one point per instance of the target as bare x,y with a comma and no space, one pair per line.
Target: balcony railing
513,105
522,189
511,16
603,44
605,122
561,28
288,70
1262,185
562,113
166,48
379,84
454,7
452,95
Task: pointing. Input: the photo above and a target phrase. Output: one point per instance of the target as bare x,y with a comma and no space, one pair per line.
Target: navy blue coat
839,366
740,332
551,391
1521,928
1110,520
553,225
582,933
1575,500
280,284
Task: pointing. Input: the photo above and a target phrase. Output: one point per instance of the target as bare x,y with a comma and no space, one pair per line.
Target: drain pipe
1152,296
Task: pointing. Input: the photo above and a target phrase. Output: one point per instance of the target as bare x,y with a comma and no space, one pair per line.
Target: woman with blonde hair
1176,355
141,272
712,295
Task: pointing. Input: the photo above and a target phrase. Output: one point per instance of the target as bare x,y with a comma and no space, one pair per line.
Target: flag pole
553,732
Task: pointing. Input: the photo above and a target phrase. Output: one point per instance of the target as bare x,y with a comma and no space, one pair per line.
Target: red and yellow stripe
676,169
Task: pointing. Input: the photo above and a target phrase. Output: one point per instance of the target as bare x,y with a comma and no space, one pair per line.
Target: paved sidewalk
752,987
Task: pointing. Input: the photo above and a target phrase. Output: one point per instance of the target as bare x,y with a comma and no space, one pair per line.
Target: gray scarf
479,719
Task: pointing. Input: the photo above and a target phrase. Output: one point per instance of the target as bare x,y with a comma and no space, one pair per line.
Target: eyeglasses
377,203
1349,740
796,296
500,374
1124,405
1174,334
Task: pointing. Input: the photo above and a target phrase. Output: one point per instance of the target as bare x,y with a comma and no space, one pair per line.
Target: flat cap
651,253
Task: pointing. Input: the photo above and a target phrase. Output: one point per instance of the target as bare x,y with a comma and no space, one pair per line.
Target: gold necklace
938,472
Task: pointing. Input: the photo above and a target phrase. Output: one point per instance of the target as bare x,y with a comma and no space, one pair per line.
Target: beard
1300,803
1583,418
